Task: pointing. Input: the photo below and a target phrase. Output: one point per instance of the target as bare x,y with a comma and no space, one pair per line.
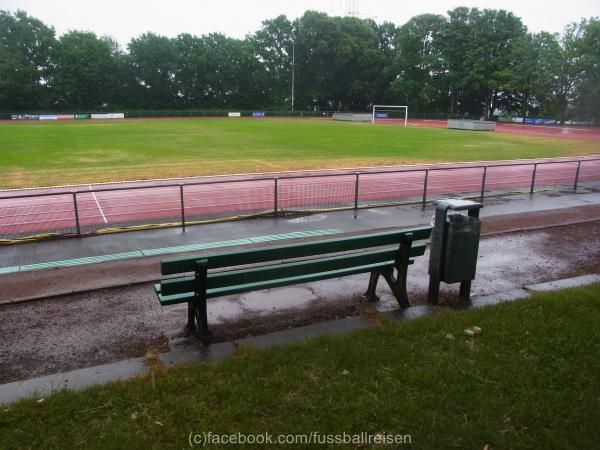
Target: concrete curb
494,299
186,351
564,284
72,380
306,332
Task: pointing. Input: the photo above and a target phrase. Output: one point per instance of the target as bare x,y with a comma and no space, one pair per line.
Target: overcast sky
124,19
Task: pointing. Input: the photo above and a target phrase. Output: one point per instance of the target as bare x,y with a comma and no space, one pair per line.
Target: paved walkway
400,216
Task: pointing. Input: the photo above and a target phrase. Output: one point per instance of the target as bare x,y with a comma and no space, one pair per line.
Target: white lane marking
98,205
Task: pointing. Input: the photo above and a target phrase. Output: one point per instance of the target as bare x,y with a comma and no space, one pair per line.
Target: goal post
384,111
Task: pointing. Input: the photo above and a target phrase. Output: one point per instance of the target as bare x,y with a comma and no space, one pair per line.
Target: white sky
124,19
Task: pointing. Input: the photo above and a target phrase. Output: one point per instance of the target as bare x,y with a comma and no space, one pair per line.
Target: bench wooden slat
267,284
170,266
252,269
257,274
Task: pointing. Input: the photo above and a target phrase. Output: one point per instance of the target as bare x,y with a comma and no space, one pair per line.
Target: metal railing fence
107,209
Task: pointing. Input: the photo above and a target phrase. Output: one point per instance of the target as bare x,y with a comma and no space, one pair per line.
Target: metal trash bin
454,246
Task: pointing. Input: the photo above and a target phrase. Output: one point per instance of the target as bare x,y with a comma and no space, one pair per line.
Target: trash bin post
436,251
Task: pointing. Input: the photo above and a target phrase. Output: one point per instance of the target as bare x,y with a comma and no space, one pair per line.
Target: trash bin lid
458,204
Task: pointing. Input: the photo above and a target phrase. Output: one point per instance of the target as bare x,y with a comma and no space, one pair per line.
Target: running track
159,201
562,132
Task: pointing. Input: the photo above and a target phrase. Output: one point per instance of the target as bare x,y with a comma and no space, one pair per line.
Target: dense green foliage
42,153
472,61
529,380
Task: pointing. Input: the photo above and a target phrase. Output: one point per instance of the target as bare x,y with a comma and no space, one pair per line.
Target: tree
388,51
480,48
419,63
587,101
83,74
568,72
25,48
337,62
471,61
534,78
153,61
273,45
192,71
236,77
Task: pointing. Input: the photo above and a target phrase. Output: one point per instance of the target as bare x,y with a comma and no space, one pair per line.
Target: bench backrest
171,266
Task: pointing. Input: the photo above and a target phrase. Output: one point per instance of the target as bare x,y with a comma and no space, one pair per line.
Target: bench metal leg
198,321
202,319
370,294
398,286
402,294
197,310
191,323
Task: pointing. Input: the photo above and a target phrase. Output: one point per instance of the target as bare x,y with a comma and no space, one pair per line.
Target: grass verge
529,379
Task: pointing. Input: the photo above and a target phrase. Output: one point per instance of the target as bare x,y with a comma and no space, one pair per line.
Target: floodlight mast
391,106
293,69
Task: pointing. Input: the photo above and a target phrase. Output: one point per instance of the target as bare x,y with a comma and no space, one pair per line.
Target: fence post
425,188
76,213
182,207
483,183
577,176
533,178
356,195
276,196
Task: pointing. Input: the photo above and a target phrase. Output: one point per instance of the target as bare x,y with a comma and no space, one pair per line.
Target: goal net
390,113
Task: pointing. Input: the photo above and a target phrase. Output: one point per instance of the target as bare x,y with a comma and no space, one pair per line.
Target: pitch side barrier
153,114
26,217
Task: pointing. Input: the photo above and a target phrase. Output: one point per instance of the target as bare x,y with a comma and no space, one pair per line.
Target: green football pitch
43,153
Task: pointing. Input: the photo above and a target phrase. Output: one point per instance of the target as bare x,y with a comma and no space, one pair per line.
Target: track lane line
98,205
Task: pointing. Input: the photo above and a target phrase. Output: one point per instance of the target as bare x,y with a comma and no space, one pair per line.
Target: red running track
560,131
160,201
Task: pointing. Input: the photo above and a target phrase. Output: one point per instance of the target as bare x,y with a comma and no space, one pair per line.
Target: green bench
282,265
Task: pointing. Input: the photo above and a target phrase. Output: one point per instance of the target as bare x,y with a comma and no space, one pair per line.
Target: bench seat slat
171,266
297,268
272,283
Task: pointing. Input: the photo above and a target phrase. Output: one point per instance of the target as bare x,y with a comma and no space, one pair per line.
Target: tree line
470,62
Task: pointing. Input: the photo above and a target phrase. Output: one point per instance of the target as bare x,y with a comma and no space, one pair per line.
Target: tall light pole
293,69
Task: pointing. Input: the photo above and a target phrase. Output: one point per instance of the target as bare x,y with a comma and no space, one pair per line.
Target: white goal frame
392,107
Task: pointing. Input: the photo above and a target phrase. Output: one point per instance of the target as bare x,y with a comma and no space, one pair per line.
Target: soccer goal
390,113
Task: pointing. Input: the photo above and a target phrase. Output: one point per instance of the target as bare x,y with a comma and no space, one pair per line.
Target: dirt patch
15,178
578,246
75,331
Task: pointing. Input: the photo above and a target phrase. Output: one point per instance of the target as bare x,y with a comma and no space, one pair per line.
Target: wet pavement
366,219
86,329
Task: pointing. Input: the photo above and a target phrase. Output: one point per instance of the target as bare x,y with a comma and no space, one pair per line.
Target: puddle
307,219
380,211
270,300
223,309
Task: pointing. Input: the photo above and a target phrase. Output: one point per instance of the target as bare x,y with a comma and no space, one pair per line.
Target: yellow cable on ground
31,238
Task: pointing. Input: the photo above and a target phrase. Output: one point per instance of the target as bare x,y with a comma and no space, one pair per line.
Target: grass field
43,154
529,380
